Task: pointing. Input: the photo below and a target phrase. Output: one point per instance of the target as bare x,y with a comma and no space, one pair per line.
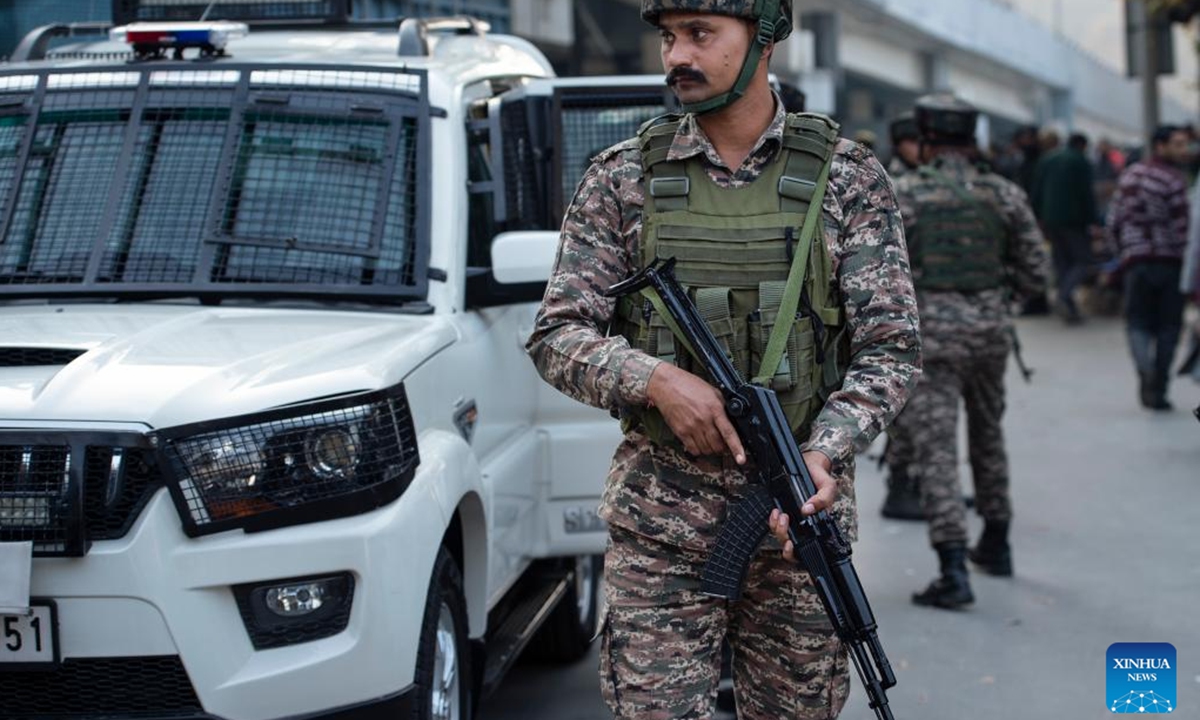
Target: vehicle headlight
299,464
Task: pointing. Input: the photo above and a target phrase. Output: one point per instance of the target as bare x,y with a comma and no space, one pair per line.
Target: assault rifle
1026,371
780,480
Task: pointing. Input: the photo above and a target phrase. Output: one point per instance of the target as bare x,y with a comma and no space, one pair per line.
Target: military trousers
899,453
931,421
660,654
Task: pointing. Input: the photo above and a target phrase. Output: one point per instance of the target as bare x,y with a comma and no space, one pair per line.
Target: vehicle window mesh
173,172
522,184
589,128
300,177
304,182
12,129
232,9
61,202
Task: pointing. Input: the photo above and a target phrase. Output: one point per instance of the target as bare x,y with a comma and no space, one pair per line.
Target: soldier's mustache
685,73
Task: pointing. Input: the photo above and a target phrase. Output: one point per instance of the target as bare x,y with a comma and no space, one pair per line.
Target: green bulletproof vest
957,245
735,250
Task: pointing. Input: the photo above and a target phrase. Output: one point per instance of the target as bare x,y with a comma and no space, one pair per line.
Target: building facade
863,61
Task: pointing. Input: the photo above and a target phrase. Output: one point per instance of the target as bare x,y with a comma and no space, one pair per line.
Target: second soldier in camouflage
973,242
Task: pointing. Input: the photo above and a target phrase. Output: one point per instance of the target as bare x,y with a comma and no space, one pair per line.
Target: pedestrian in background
1148,226
1029,151
1064,200
973,240
725,190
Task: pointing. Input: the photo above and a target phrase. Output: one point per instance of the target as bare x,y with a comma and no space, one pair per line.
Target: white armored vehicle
269,442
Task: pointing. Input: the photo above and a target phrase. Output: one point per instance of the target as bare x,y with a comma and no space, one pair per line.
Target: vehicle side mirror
524,256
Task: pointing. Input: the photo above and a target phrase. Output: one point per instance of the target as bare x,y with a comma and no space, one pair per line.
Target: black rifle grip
742,532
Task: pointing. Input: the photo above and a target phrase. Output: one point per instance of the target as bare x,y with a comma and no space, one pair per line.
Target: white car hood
168,365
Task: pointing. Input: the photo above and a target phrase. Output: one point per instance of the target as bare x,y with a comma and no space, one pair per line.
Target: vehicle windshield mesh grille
271,180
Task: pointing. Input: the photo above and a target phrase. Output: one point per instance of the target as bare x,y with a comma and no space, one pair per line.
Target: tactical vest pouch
714,306
792,376
789,377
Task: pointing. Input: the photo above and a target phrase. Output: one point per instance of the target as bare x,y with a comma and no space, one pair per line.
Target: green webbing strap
791,294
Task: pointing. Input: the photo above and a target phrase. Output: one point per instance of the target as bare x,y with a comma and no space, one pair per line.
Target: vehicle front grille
63,493
94,688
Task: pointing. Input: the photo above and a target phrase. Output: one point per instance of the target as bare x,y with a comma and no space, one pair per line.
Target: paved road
1107,549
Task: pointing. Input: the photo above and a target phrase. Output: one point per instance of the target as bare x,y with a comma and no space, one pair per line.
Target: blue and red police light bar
213,35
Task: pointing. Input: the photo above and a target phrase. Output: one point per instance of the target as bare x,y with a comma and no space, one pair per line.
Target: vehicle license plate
28,639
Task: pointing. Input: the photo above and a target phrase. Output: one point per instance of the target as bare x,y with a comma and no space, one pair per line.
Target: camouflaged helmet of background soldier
781,25
946,118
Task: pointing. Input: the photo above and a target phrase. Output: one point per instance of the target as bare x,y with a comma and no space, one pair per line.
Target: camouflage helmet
946,117
779,27
903,128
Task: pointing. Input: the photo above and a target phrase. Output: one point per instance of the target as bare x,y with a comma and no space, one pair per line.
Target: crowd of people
1119,225
1123,228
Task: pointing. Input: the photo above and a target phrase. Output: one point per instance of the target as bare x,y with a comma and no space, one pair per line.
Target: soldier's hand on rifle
819,467
695,411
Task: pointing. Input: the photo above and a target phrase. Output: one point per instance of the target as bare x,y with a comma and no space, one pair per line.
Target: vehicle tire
567,634
443,655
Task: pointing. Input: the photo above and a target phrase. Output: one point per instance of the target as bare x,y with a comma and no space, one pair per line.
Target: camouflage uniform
899,453
899,449
966,344
664,507
897,168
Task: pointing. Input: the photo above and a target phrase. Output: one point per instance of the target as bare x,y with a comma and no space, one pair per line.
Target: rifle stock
782,481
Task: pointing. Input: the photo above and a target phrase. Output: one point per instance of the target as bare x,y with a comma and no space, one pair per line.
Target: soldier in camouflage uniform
972,240
906,146
903,500
678,468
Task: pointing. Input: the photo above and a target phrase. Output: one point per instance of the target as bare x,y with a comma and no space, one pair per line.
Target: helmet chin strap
764,36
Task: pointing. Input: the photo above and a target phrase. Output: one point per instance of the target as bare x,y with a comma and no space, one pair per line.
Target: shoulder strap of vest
655,137
667,184
809,140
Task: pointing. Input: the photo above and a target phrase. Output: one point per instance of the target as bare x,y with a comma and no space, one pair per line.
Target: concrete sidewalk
1106,547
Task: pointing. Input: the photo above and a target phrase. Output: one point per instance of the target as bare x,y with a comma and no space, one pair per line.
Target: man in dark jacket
1148,224
1063,197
